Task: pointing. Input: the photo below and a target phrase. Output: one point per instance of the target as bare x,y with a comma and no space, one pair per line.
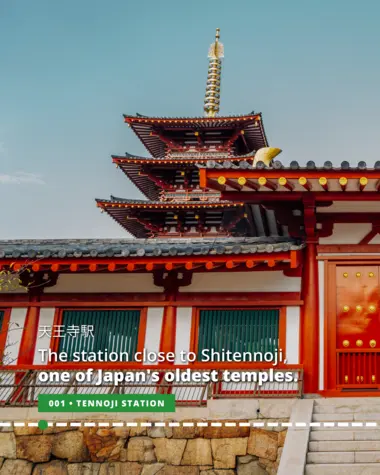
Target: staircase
345,450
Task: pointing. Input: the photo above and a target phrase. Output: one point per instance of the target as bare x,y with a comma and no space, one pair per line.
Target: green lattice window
112,330
2,313
238,331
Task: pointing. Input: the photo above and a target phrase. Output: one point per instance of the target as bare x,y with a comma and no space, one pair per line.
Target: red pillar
30,333
310,319
168,331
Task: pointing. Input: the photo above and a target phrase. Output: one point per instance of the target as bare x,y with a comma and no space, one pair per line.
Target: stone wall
191,449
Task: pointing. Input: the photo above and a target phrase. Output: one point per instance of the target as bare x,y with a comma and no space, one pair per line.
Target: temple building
231,252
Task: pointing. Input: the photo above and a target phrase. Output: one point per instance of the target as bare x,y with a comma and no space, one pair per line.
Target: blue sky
69,70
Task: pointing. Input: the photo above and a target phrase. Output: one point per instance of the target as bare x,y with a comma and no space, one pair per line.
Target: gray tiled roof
78,248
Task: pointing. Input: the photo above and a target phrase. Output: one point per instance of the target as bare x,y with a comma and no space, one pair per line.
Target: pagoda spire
212,96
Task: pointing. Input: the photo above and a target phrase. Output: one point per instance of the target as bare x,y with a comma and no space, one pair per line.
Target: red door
358,326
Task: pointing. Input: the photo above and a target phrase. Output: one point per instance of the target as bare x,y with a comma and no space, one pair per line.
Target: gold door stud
346,343
358,274
359,343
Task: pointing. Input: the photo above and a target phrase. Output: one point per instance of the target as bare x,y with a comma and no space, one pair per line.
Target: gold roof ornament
266,155
212,96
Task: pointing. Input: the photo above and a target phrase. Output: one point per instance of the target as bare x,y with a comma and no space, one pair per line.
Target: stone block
7,445
263,443
104,444
281,438
224,432
250,468
120,468
159,432
70,446
140,449
176,470
197,452
217,472
83,468
56,467
35,448
188,432
16,467
225,451
153,469
170,451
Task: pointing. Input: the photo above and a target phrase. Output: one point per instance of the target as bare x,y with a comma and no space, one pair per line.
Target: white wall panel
43,343
183,332
292,334
153,329
98,283
15,329
347,233
261,281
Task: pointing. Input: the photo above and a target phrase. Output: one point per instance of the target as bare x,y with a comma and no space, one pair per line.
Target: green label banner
106,403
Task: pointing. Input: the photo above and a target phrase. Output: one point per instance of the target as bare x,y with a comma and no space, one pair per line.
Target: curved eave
143,183
174,161
158,205
189,120
143,127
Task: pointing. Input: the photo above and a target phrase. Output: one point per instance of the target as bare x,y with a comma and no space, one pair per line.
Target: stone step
330,457
344,446
343,469
347,417
343,457
341,401
351,434
367,457
346,408
340,428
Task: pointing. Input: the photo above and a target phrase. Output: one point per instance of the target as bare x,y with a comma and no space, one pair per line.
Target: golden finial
212,97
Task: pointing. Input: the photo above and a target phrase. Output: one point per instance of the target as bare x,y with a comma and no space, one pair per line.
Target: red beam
280,256
152,299
291,174
298,195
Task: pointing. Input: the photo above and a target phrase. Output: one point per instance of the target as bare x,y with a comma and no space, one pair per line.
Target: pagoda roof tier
245,132
161,173
193,218
277,181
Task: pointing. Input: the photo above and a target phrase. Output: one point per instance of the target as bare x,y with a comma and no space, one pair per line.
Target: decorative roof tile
121,248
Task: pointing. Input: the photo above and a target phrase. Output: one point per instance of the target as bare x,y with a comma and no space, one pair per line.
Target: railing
358,368
21,386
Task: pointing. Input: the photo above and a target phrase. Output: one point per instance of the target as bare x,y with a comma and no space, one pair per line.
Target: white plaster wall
183,332
292,334
16,326
347,233
43,343
153,329
104,283
273,281
321,282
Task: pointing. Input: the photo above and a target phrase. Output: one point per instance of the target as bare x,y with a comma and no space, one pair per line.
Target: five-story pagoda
169,178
